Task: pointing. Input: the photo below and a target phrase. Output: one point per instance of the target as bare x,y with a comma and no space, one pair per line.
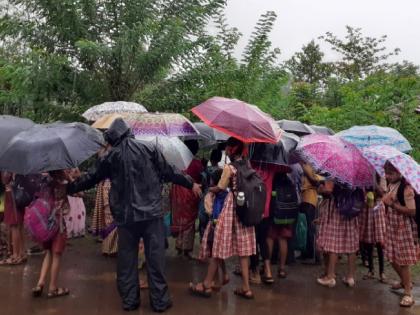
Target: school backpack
417,200
350,202
40,219
218,202
250,183
284,201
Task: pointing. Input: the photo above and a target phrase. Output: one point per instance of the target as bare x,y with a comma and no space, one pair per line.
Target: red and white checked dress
372,222
401,245
231,237
337,234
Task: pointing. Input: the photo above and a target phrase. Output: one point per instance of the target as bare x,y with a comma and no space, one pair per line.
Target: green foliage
308,65
361,56
256,79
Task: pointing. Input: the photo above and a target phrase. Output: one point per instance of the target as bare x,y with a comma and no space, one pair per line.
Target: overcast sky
300,21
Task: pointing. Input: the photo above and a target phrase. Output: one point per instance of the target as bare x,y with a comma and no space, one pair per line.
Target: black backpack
350,202
284,201
400,192
253,187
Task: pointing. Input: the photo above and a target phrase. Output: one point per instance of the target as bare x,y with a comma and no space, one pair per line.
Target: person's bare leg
267,262
22,242
283,253
55,269
351,266
46,263
211,272
406,279
15,241
332,261
245,273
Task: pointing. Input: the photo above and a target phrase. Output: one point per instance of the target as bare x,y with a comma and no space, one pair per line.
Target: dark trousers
369,253
310,212
153,234
261,231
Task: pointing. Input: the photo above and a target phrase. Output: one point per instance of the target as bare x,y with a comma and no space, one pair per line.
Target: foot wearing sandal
407,301
37,291
326,282
200,289
246,294
369,276
282,274
58,293
349,282
11,261
254,277
267,280
382,278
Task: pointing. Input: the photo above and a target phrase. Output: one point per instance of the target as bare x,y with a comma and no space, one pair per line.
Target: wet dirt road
91,279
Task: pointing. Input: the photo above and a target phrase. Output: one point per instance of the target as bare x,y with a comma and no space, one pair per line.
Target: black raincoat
137,171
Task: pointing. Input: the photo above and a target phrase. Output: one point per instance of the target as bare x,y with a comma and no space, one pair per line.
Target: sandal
204,292
396,286
369,276
349,282
267,280
58,293
37,291
407,301
248,295
11,261
382,278
282,274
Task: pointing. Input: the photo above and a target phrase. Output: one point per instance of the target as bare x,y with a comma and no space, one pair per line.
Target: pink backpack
40,219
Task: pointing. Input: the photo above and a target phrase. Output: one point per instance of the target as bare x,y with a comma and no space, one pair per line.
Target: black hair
400,191
216,176
192,145
233,142
216,155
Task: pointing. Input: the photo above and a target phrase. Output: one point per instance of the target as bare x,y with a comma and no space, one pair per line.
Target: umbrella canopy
173,149
337,158
96,112
152,124
296,127
50,147
321,130
238,119
405,164
208,136
366,136
10,126
278,153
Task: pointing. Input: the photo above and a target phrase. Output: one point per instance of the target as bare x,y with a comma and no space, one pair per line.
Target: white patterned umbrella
119,107
173,149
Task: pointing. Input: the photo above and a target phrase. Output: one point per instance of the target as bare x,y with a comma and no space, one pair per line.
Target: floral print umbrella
96,112
405,164
337,159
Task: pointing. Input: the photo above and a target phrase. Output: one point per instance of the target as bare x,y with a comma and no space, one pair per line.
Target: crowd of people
130,209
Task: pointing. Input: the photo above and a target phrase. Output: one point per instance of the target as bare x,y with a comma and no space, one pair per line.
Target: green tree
361,56
308,66
110,48
257,78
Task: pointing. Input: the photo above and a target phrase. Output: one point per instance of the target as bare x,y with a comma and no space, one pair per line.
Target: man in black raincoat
136,171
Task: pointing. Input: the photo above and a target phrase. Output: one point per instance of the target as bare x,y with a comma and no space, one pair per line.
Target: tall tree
113,47
361,56
307,65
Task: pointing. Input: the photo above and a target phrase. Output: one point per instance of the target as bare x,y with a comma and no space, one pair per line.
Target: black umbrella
321,130
50,147
274,153
10,126
208,136
296,127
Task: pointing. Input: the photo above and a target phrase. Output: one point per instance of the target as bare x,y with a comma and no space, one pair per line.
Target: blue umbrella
367,136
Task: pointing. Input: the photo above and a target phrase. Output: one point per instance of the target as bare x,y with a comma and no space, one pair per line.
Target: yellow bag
1,203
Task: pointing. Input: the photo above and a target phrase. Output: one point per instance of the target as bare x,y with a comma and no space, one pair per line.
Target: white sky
300,21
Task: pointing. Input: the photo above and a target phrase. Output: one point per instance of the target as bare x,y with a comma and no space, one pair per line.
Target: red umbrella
238,119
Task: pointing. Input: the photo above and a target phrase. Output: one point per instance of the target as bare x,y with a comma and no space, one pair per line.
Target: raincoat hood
117,132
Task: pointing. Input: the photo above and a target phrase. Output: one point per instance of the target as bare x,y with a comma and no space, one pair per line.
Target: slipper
369,276
407,301
248,295
58,293
37,291
205,292
267,280
282,274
